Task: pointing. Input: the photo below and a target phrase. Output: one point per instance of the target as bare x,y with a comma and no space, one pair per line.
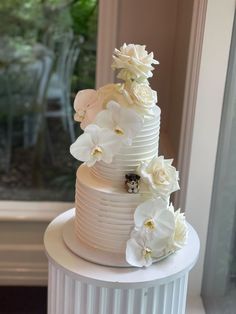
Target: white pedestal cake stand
76,286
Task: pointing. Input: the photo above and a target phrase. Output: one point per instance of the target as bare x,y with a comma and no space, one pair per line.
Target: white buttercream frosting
104,214
104,209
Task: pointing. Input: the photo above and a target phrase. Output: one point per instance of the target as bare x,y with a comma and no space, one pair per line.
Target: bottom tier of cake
104,214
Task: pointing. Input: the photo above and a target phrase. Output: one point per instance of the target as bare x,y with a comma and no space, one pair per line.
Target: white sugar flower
160,176
154,217
95,144
133,95
154,229
179,238
134,61
111,92
142,252
87,104
141,96
124,122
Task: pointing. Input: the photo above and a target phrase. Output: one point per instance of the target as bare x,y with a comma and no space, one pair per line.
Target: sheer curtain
219,280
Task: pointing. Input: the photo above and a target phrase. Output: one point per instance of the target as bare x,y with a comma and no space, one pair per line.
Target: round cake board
92,254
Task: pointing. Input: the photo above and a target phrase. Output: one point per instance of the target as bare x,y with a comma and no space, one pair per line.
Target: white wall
216,45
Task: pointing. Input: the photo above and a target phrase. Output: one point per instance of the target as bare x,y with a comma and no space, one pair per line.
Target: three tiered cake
123,212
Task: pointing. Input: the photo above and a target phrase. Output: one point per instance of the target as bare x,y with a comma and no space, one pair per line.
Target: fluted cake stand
77,286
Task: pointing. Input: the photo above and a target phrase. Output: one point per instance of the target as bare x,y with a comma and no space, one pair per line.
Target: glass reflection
47,54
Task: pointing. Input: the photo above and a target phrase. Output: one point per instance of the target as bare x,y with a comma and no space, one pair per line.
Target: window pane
47,54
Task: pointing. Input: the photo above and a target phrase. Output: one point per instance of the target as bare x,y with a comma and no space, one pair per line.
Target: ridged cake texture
144,147
104,209
104,216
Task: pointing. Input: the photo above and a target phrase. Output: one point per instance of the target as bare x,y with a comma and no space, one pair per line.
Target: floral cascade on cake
123,188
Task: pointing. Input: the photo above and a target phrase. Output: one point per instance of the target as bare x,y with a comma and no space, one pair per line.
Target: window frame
207,117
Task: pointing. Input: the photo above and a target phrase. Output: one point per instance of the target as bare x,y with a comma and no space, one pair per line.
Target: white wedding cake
123,188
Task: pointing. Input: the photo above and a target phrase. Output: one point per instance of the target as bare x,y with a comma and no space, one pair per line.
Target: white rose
180,235
143,98
160,176
143,94
112,92
134,62
138,96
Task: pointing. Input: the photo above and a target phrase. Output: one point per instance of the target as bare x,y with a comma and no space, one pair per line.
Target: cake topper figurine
132,182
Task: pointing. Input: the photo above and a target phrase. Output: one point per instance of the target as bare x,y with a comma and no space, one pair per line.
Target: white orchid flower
95,144
160,176
154,217
142,252
124,122
153,232
87,104
179,238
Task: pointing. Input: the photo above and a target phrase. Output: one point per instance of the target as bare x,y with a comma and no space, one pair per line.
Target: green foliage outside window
24,23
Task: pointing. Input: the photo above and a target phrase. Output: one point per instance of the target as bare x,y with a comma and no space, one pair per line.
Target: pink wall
163,26
152,23
180,57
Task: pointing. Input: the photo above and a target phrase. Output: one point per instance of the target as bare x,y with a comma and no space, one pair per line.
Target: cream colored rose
138,96
143,94
113,92
133,95
143,98
180,235
134,62
160,177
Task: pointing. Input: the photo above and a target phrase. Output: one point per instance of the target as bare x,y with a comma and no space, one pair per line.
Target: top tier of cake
144,147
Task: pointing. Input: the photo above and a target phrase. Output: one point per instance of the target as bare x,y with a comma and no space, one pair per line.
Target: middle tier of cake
104,214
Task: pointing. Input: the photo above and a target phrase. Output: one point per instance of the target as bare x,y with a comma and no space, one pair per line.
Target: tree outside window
47,54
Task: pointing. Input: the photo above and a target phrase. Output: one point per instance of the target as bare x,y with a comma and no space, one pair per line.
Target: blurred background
47,54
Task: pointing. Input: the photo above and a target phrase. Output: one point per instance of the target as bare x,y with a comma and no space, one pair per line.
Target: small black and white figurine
132,182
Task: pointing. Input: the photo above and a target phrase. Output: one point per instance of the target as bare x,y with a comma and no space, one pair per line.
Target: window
47,54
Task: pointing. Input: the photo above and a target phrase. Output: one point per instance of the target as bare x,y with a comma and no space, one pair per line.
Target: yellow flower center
147,252
119,131
81,115
149,224
97,151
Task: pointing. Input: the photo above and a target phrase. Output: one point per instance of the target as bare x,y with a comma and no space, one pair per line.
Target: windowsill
195,305
31,211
